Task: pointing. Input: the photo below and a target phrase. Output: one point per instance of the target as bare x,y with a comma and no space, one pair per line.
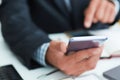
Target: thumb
62,47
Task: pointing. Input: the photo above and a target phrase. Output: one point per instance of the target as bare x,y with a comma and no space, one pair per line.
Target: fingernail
87,24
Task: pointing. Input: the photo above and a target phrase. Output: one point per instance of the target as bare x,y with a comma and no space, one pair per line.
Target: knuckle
93,52
91,66
113,9
67,72
61,67
88,13
98,16
111,21
88,17
76,57
112,5
112,18
103,20
97,52
77,74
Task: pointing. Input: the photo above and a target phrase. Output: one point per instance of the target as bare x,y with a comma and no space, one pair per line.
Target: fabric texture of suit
27,23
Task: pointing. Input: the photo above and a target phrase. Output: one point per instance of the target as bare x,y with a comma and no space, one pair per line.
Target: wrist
40,54
55,53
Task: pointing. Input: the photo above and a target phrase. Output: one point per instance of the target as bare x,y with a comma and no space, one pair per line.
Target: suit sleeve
118,14
19,31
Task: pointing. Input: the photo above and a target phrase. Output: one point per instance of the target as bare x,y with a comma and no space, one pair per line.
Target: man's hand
99,11
75,63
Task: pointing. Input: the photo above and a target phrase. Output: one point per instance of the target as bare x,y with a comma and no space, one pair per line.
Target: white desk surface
7,57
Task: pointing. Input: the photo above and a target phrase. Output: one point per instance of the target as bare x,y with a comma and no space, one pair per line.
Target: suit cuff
117,6
40,54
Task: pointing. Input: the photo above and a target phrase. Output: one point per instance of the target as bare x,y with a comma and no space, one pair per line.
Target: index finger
90,12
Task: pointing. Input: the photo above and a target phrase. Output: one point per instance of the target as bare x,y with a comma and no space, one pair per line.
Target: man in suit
27,23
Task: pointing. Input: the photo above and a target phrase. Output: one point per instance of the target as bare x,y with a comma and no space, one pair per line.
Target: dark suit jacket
26,23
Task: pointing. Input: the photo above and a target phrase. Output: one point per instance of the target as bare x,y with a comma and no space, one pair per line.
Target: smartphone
113,74
86,42
8,72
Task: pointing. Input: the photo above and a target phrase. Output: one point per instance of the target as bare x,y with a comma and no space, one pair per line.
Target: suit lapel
62,7
78,8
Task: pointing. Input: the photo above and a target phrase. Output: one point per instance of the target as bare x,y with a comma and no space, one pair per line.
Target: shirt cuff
0,2
40,54
117,6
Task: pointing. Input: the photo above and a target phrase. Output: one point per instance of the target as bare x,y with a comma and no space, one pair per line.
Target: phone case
80,43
